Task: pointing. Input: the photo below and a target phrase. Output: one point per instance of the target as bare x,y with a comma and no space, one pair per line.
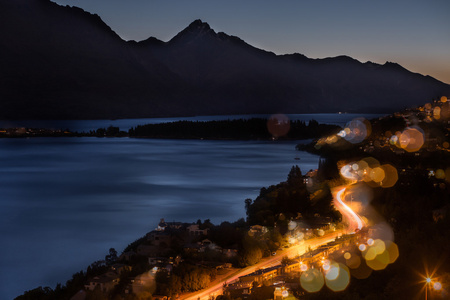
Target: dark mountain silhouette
62,62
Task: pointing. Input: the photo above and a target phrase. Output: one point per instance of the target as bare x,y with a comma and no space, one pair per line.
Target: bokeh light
337,277
412,139
144,285
292,225
447,174
379,254
303,267
445,111
392,249
379,262
437,113
356,130
278,125
440,174
437,286
377,174
393,140
312,280
353,262
370,253
390,176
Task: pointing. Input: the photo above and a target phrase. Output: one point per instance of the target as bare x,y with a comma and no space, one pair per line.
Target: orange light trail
349,213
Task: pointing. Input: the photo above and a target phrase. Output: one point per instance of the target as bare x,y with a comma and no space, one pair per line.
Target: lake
66,201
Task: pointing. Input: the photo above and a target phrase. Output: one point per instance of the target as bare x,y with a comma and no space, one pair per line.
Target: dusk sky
413,33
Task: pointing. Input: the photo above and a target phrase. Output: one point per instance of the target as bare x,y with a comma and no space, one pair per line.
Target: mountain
62,62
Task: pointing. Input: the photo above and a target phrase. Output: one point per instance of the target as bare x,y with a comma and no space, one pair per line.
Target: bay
66,201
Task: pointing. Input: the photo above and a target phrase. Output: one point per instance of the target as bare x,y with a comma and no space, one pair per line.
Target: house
240,291
207,244
280,293
106,282
291,267
194,230
230,252
163,225
261,275
258,230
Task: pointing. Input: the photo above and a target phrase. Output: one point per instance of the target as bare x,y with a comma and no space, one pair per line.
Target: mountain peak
198,25
195,30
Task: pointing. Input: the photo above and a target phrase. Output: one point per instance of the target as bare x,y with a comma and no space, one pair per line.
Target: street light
437,286
428,281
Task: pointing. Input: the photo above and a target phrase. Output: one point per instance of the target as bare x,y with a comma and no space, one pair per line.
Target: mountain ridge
69,64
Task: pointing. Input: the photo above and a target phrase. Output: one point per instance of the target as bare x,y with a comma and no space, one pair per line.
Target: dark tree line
279,203
241,129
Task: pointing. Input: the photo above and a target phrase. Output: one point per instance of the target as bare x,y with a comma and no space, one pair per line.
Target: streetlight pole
428,281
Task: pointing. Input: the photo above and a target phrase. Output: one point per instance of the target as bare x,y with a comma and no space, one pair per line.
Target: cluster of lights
438,112
410,140
378,254
356,131
431,282
440,174
335,276
370,171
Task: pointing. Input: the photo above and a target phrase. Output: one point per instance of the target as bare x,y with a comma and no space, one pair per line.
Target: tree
37,293
248,203
111,258
295,176
251,252
285,260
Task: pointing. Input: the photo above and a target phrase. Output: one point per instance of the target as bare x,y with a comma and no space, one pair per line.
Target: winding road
353,219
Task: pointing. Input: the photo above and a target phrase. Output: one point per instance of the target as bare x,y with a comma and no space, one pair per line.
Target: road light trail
353,218
354,222
293,251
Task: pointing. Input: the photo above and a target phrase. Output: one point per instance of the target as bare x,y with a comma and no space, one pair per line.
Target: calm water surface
65,201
